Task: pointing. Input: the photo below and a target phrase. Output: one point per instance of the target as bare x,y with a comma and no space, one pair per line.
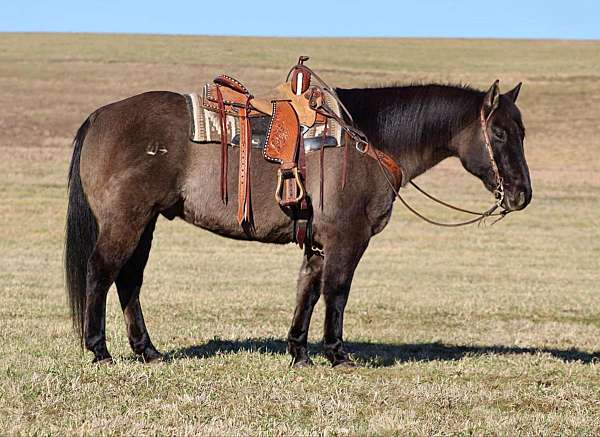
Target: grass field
491,330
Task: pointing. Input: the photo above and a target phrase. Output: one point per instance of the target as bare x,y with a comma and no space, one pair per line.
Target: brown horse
117,190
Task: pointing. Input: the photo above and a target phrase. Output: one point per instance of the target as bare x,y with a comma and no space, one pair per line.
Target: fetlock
299,355
336,354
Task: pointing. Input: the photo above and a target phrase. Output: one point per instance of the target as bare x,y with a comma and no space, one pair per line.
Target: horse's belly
222,220
203,206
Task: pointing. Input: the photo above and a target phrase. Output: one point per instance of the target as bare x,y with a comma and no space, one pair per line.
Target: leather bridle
485,121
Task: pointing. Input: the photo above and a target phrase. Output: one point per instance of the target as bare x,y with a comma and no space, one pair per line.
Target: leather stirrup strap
244,214
281,145
224,151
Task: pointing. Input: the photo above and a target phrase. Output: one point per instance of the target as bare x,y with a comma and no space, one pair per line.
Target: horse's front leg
338,271
309,290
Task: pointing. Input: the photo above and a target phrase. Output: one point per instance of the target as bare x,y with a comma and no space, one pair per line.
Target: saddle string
224,154
322,164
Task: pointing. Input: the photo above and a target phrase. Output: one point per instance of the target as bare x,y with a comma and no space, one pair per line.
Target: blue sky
578,19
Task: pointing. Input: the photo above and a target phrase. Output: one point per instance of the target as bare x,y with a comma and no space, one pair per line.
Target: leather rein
390,168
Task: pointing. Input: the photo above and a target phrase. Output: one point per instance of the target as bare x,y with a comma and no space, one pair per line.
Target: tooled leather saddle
303,103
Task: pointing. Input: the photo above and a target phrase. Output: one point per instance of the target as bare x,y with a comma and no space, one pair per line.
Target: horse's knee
312,266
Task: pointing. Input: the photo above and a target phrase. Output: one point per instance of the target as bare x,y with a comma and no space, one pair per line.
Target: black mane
413,116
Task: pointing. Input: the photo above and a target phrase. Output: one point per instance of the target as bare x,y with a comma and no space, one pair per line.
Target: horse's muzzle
517,200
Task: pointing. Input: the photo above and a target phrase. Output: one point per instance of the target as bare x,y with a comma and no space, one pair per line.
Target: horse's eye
499,134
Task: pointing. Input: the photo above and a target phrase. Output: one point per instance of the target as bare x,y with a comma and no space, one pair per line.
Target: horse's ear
514,93
491,99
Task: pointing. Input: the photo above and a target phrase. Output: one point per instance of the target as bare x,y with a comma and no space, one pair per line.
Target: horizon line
488,38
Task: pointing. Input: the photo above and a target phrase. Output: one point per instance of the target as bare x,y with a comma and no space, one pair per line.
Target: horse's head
502,120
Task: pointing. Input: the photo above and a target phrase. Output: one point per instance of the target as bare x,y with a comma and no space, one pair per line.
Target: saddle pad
333,127
206,128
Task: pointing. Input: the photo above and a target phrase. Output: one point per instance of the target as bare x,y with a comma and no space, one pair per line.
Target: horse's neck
381,126
416,161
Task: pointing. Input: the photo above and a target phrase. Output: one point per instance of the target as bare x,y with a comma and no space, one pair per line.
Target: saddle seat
304,104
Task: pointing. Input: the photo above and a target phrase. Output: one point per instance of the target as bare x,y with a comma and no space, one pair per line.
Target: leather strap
322,164
388,163
244,214
224,148
305,212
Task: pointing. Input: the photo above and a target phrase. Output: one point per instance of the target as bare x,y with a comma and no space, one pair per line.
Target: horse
117,190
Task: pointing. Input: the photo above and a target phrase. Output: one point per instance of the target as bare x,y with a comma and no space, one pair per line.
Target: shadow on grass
378,354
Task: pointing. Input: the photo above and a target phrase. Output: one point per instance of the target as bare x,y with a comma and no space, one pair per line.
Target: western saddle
293,107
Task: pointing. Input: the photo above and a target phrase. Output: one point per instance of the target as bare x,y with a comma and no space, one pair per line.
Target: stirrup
284,175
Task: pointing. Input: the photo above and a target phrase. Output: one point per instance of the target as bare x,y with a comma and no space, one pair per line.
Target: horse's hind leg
309,290
129,282
117,240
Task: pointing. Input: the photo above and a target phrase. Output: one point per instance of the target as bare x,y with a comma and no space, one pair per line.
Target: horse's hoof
155,358
103,361
345,365
303,363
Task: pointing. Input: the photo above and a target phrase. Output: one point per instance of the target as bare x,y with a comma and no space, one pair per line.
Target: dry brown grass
481,330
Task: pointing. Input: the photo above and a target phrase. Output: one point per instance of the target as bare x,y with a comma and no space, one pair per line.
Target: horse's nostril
519,201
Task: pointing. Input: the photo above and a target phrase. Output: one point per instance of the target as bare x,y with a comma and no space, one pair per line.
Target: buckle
362,146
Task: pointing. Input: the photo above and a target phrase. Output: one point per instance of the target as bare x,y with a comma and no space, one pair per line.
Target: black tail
81,235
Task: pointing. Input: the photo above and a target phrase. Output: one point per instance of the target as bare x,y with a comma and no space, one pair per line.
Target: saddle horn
300,77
